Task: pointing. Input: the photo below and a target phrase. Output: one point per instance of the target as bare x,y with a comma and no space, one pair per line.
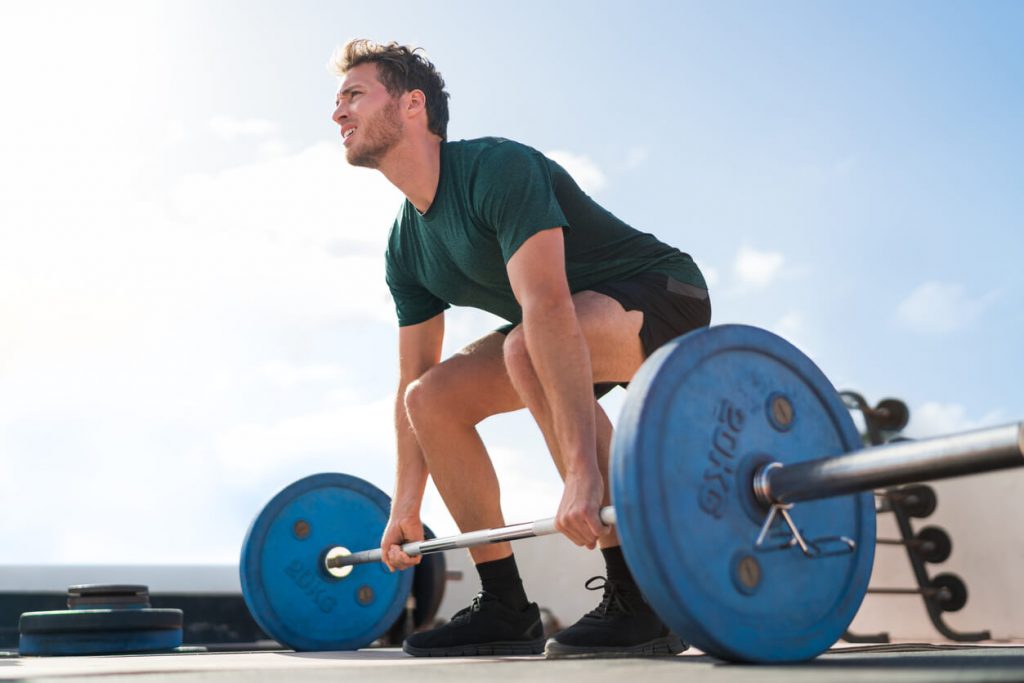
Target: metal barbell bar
335,561
903,462
941,457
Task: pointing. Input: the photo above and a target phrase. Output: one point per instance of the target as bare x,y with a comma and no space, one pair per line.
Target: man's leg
623,624
613,339
444,407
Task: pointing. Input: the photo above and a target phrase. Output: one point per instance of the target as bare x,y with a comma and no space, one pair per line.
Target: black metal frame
901,502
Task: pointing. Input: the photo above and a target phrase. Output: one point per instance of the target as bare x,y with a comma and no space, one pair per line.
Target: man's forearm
411,469
558,351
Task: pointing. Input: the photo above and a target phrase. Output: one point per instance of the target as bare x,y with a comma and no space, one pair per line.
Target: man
493,224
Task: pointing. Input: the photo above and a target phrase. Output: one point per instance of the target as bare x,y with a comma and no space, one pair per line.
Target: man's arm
561,359
419,349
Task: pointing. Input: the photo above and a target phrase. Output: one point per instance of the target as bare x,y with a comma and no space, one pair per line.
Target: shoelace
613,602
466,613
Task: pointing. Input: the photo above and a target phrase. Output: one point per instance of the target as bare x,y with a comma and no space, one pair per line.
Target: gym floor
902,663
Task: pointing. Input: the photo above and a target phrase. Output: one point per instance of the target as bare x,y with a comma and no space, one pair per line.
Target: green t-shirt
493,195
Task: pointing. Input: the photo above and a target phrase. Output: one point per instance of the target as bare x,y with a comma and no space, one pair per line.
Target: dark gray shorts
671,308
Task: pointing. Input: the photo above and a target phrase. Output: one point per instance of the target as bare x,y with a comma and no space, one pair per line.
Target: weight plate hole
337,572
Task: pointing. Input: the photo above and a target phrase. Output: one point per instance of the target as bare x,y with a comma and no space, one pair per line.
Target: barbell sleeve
891,464
513,532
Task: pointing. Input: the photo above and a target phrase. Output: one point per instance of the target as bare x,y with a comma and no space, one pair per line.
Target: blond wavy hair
400,69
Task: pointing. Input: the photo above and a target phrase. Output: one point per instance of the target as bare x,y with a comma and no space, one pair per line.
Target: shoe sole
668,646
500,648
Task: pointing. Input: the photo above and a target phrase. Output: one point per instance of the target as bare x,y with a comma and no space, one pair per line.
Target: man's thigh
625,322
612,334
474,382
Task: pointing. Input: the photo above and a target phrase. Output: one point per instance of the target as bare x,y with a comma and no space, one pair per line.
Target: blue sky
193,309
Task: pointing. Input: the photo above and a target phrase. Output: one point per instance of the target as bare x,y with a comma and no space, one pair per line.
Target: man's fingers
597,527
396,558
385,557
567,530
581,529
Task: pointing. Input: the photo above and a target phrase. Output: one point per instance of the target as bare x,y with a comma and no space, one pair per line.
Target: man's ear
415,102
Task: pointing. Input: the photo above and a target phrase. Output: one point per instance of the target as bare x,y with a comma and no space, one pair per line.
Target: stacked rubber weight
101,619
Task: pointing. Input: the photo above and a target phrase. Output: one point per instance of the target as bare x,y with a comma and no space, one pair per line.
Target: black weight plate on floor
99,620
107,596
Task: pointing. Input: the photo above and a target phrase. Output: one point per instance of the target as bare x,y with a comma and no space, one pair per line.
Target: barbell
743,511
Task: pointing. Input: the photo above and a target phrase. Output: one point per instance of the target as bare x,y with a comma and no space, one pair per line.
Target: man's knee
442,394
517,358
422,397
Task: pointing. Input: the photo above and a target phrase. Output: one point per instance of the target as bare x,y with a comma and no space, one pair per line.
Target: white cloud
290,241
584,171
255,451
940,308
229,128
175,133
288,374
938,419
273,148
142,351
312,197
757,268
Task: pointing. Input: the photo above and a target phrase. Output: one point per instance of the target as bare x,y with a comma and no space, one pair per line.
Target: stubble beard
382,132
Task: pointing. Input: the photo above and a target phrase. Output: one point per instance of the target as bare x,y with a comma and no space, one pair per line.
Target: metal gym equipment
744,514
929,545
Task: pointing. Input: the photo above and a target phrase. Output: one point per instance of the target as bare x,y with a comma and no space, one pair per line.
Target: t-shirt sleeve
413,303
513,192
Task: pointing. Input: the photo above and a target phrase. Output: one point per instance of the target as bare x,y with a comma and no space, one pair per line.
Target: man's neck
414,167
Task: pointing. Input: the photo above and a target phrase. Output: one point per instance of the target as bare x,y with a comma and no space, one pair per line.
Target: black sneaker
487,627
623,625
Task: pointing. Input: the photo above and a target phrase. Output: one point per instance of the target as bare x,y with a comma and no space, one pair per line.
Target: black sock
501,578
615,565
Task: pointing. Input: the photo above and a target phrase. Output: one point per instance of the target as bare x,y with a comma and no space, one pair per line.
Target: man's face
368,117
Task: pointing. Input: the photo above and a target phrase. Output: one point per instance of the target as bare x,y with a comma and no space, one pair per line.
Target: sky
192,305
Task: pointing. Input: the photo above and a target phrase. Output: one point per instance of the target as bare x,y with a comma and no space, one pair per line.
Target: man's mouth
347,133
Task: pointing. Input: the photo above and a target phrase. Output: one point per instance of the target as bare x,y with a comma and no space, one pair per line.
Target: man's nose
340,113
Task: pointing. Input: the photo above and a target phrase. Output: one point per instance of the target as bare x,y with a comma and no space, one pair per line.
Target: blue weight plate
700,416
284,583
99,631
98,642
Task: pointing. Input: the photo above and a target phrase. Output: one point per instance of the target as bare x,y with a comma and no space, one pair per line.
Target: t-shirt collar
432,210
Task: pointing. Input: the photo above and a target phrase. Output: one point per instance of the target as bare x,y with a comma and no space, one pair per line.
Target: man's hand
579,512
397,532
